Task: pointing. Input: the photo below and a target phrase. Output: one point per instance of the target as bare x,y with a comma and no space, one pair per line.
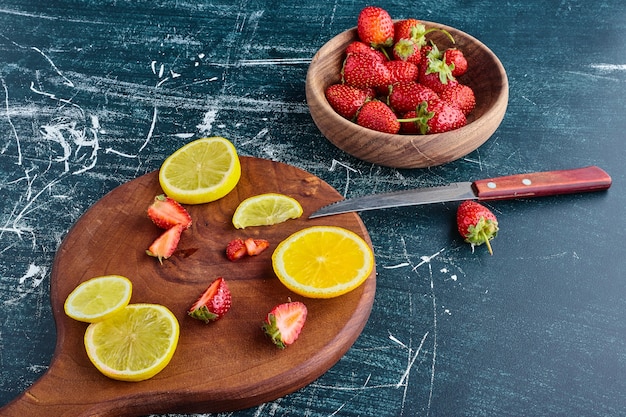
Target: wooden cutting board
222,366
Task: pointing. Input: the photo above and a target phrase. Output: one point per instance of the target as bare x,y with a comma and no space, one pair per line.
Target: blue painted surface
94,94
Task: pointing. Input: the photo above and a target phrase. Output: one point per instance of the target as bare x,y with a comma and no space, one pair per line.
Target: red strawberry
166,212
284,323
401,71
407,29
460,96
476,223
407,50
406,96
445,117
358,47
376,115
347,100
434,72
455,58
236,249
414,122
165,245
213,303
255,246
363,71
375,27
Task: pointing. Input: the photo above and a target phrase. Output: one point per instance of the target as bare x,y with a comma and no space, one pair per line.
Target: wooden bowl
485,75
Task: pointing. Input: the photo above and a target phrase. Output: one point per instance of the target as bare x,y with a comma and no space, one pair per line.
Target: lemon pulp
135,344
98,298
201,171
323,261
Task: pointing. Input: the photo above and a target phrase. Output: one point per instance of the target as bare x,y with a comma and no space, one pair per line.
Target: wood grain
485,75
222,366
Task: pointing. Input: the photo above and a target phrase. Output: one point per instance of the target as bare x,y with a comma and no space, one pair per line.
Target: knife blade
534,184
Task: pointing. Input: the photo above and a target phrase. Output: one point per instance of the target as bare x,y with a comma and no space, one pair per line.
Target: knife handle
537,184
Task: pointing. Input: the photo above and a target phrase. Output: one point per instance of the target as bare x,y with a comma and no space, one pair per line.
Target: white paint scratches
53,65
204,128
609,67
28,282
348,169
13,130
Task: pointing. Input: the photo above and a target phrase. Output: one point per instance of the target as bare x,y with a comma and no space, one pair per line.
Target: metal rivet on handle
491,184
526,181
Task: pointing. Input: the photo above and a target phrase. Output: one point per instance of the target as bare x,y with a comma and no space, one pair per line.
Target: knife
535,184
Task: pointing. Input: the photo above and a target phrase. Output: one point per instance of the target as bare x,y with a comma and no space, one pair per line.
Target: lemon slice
323,261
266,210
98,298
201,171
135,344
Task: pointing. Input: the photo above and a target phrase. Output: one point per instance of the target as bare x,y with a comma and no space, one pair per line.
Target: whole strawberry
445,117
375,27
434,72
346,99
455,58
364,71
376,115
460,96
358,47
213,303
406,96
476,223
401,71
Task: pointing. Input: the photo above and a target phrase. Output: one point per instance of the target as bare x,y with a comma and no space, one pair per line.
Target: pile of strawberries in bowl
406,93
394,80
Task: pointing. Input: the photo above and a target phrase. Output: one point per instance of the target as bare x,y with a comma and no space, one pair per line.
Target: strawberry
363,71
255,246
445,117
375,27
407,29
347,100
236,249
213,303
455,58
406,96
401,71
407,50
460,96
414,122
376,115
166,212
434,72
358,47
284,323
476,223
165,245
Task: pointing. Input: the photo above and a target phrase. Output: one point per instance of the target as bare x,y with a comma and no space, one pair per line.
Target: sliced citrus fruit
266,210
98,298
323,261
201,171
135,344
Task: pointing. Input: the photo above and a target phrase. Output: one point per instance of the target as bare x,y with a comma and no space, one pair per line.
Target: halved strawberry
166,212
236,249
213,303
284,323
255,246
165,245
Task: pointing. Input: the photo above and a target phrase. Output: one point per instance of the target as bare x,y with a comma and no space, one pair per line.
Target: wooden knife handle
537,184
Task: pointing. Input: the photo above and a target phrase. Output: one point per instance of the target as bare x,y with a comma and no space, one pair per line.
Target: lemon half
323,261
98,298
201,171
135,344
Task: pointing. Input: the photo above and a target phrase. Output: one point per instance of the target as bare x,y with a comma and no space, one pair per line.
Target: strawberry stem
487,242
